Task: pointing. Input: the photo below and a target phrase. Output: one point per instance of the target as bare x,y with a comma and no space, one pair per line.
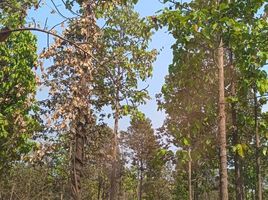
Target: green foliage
13,12
81,85
148,160
18,85
189,90
17,89
128,60
240,149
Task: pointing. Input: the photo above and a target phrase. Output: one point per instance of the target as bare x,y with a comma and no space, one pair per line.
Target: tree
218,24
74,75
249,62
142,142
70,81
18,86
190,126
127,61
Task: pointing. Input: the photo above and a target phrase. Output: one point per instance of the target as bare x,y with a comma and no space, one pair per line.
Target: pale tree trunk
62,192
258,159
239,182
190,175
140,181
114,182
12,192
222,126
120,184
99,187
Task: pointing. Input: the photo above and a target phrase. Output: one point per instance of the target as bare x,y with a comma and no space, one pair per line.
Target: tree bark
99,187
258,159
190,174
140,181
114,187
196,191
222,125
77,161
12,191
239,182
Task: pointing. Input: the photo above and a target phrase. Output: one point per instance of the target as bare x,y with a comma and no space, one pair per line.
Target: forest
80,118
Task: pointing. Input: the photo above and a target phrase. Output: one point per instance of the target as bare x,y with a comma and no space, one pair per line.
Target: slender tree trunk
62,191
208,195
99,187
119,196
114,184
12,191
196,191
258,159
77,162
222,126
190,175
239,183
140,181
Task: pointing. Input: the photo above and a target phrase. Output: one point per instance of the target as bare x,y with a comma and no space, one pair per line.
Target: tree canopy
96,73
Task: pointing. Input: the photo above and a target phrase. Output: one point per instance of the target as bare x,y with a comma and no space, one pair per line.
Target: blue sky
160,40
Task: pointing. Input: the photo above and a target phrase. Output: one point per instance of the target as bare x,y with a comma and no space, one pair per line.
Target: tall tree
191,127
218,24
128,62
18,86
70,81
75,73
141,141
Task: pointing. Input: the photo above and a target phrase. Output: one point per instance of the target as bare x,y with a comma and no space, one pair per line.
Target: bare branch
56,7
8,31
73,12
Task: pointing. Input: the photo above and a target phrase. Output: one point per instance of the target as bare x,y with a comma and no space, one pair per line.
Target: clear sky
161,40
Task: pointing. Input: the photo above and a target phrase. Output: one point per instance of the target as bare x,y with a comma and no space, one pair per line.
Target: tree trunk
239,182
12,191
120,182
114,184
99,187
77,162
140,181
258,159
190,174
62,191
222,126
196,191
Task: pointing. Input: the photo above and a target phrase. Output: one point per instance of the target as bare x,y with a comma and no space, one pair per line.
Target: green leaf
264,151
185,141
262,86
239,150
224,6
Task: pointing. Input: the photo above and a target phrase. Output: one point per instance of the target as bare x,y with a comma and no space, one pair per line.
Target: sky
160,40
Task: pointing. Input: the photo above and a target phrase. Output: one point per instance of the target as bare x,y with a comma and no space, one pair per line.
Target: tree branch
4,32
